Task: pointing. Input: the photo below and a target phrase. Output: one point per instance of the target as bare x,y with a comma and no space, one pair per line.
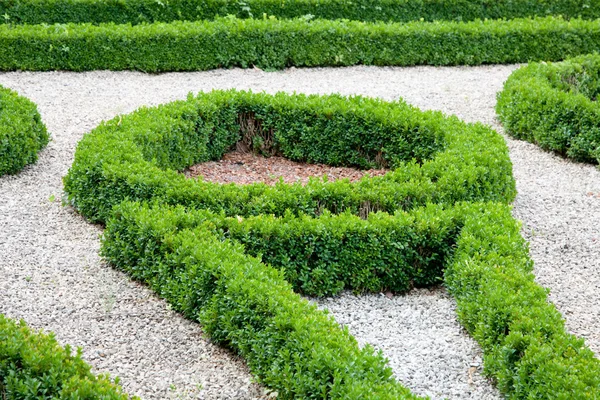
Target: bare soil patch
246,168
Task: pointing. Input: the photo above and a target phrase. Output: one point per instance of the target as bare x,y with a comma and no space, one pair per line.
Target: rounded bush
554,105
22,133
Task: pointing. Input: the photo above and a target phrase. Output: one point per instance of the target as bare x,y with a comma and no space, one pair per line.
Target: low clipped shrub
526,348
432,158
248,305
141,11
289,344
34,366
22,133
555,106
232,256
275,44
318,256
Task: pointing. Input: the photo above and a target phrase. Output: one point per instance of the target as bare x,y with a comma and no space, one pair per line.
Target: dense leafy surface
139,11
34,366
22,133
275,44
231,256
555,106
433,158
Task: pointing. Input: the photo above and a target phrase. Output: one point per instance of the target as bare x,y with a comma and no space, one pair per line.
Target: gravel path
51,275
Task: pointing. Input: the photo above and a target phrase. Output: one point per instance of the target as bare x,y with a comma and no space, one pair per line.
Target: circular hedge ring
433,158
22,133
554,105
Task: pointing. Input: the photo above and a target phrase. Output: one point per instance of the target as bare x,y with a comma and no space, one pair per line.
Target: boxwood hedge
555,106
139,11
274,44
248,306
34,366
432,158
22,133
232,256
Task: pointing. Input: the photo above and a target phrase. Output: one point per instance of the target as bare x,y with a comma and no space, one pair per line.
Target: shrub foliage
555,106
34,366
232,256
274,44
141,11
22,133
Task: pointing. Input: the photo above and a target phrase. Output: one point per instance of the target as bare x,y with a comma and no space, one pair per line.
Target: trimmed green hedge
555,106
22,133
276,44
248,306
34,366
289,344
215,252
140,11
433,158
318,256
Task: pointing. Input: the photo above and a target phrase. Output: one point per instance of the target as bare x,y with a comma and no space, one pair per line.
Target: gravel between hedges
51,274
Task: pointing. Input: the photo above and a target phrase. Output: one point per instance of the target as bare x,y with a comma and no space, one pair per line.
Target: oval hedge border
144,11
433,158
183,236
554,106
22,133
270,43
34,366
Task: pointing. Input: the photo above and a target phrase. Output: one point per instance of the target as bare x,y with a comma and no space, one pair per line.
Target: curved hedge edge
325,255
110,163
22,132
143,11
276,44
288,343
526,347
539,104
34,366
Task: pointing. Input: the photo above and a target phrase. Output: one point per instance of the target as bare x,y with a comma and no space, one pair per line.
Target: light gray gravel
51,274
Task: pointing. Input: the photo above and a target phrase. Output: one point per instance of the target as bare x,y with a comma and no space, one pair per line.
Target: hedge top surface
140,11
555,105
22,133
433,158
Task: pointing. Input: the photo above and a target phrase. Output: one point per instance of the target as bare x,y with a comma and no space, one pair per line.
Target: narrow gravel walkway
51,274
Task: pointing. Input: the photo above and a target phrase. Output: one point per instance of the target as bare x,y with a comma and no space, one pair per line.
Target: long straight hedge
34,366
22,132
555,106
274,44
299,351
140,11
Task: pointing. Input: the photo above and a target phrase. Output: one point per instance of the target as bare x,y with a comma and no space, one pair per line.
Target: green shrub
34,366
433,158
230,256
276,44
140,11
291,346
526,347
246,305
554,105
22,133
324,255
